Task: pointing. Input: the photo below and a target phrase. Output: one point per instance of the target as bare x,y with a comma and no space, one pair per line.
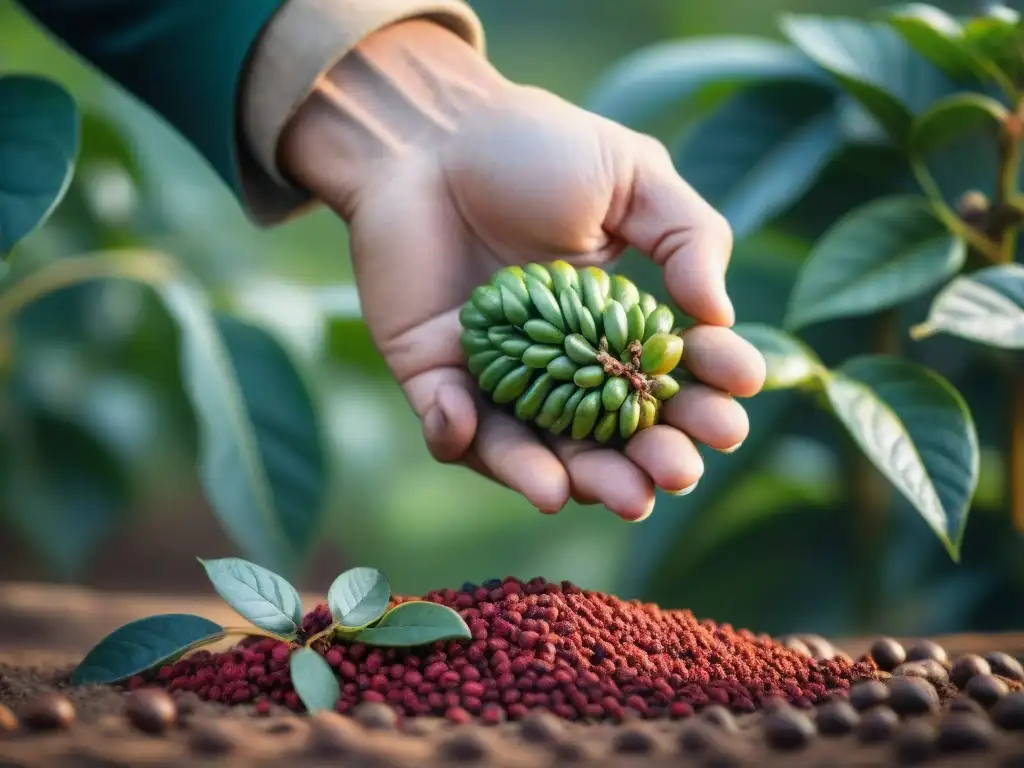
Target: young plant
360,606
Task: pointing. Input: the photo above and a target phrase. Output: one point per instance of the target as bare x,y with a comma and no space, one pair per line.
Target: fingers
668,457
664,217
605,476
724,360
707,415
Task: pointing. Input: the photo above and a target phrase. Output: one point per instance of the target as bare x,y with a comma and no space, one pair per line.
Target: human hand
445,172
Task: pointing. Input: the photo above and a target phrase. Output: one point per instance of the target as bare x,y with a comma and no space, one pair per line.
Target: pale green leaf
259,596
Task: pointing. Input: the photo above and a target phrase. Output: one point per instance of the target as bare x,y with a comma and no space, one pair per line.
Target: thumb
661,215
448,411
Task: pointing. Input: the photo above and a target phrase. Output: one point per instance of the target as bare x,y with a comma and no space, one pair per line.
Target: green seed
569,413
616,326
629,416
659,321
569,309
589,377
471,317
624,291
539,272
586,415
606,427
648,303
487,299
614,393
512,385
544,302
662,353
474,341
579,349
512,279
648,413
499,334
604,280
635,323
528,405
539,355
593,297
588,327
478,362
554,405
516,311
543,331
496,371
563,368
515,347
563,275
664,387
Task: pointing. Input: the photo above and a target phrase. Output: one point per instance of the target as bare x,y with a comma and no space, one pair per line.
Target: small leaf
986,307
141,645
953,117
918,431
937,36
997,36
875,257
790,362
260,596
313,680
38,142
416,623
359,597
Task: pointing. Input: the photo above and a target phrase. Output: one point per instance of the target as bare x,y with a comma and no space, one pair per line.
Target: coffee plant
259,442
881,157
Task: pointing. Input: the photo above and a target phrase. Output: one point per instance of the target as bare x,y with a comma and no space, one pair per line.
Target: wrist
398,96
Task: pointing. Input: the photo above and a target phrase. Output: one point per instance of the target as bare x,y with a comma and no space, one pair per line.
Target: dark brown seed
572,752
787,729
696,738
635,740
422,726
927,649
871,693
915,742
1008,712
966,704
1005,665
986,689
837,718
541,727
332,735
912,696
187,702
967,666
48,712
151,710
1013,760
877,725
928,669
820,648
961,732
8,721
466,745
720,717
375,715
211,738
887,653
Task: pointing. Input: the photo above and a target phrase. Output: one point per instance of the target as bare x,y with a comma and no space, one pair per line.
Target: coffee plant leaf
38,144
875,257
761,150
314,680
141,645
790,363
997,36
648,83
986,307
358,597
938,37
259,596
917,430
953,117
874,64
416,623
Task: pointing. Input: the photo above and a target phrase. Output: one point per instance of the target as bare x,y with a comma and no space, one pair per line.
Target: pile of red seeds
578,654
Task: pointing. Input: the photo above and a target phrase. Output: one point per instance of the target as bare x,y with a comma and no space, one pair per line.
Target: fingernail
436,422
733,449
686,491
647,511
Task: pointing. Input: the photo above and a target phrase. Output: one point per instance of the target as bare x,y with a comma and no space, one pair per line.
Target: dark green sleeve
181,57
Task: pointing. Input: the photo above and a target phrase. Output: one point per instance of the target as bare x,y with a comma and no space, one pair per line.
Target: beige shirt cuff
302,42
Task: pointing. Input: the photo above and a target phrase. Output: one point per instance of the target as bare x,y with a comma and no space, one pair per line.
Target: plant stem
254,632
322,634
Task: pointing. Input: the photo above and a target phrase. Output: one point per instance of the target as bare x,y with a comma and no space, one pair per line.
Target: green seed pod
478,362
635,323
529,403
604,281
496,371
662,353
499,334
543,332
647,303
593,297
563,368
569,413
606,427
614,393
588,327
511,278
515,347
585,418
589,377
512,385
624,292
544,302
659,321
563,275
540,272
554,404
473,341
540,355
664,387
569,313
616,326
471,317
487,299
629,416
579,350
648,413
515,310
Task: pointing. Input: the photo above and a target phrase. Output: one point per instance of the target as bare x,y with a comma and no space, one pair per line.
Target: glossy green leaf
359,597
261,597
643,85
38,142
998,36
314,680
142,645
416,623
876,257
790,363
952,117
918,431
937,36
761,150
874,64
986,307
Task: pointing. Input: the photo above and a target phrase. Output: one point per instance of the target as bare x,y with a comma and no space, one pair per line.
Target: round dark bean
635,740
960,732
967,666
986,689
966,704
720,717
540,727
871,693
837,718
48,712
787,729
696,738
211,738
912,696
887,653
375,716
928,669
820,648
466,746
151,710
332,735
915,742
877,725
1008,712
927,649
1005,665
